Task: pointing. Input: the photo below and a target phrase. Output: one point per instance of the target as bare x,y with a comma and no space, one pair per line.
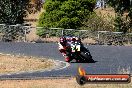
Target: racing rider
64,48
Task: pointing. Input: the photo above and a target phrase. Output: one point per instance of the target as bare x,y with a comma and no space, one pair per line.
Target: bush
98,22
66,13
41,32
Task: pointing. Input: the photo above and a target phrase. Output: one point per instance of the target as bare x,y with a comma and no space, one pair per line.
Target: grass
107,13
11,63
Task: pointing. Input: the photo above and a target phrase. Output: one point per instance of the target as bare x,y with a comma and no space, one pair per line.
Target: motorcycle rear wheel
86,56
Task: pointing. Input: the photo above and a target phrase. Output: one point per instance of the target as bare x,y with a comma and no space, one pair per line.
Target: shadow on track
84,62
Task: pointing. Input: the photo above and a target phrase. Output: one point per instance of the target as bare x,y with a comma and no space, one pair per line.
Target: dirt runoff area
56,83
18,63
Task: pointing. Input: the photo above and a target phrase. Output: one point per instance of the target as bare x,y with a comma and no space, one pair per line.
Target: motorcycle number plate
75,48
78,47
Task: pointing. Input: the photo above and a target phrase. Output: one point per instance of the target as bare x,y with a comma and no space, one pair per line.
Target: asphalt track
109,59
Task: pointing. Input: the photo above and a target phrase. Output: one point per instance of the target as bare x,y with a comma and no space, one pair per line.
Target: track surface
109,58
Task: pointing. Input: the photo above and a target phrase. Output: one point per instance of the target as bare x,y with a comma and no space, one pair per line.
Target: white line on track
8,74
66,65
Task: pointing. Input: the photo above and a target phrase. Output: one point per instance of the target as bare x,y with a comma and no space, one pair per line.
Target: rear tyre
87,57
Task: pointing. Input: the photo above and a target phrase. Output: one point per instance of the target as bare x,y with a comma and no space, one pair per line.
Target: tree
65,13
122,22
35,6
98,22
120,6
13,11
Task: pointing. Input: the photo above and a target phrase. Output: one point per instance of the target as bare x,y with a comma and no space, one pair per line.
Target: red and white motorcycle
76,50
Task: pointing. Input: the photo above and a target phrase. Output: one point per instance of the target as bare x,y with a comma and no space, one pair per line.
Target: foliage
13,11
121,7
35,6
41,32
121,24
98,23
65,13
12,33
118,24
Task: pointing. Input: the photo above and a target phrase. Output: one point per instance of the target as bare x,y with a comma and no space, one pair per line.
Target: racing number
75,48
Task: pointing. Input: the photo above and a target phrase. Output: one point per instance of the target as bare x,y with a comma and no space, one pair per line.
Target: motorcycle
79,53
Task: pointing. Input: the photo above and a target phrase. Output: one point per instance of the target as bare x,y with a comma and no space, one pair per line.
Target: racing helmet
63,40
74,39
